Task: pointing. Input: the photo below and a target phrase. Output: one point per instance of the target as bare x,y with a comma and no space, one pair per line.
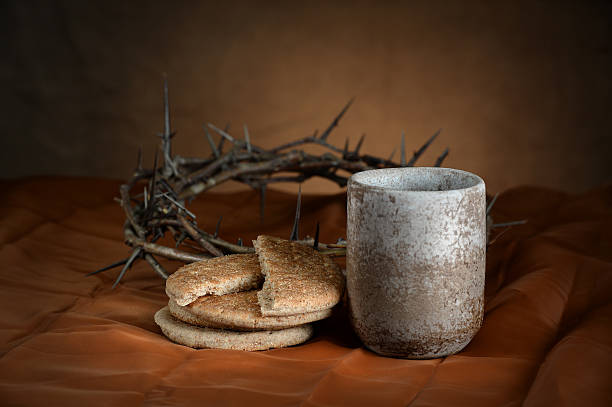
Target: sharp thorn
403,151
218,227
334,123
213,147
345,149
296,221
127,265
240,241
153,184
166,108
441,158
179,205
222,133
222,141
497,236
168,187
513,223
158,234
169,167
356,152
392,154
139,159
110,266
247,139
490,206
316,238
158,268
220,145
424,147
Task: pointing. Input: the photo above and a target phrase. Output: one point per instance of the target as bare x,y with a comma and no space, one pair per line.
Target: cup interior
417,179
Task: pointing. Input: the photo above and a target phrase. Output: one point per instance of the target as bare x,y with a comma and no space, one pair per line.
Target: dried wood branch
173,254
195,235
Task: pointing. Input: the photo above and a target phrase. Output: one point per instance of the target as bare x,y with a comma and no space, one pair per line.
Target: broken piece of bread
217,276
298,279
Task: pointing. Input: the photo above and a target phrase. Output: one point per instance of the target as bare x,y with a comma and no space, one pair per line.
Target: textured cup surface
416,259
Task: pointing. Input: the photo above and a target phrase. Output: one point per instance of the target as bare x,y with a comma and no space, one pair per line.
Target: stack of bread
251,301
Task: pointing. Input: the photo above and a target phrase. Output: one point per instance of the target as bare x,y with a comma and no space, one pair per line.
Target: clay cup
416,244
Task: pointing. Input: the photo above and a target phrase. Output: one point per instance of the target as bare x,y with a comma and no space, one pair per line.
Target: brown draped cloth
67,339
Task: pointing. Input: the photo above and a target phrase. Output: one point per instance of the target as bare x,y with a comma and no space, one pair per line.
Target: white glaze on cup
416,259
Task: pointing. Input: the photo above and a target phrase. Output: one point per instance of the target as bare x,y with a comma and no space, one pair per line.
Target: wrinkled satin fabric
67,339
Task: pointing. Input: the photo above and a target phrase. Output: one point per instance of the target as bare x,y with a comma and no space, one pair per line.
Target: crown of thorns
155,200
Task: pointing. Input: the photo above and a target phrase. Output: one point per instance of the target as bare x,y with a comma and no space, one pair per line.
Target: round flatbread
199,337
298,279
239,312
217,276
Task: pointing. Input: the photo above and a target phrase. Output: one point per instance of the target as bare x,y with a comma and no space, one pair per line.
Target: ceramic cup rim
360,179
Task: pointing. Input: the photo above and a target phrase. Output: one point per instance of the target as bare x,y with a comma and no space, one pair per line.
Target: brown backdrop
521,89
